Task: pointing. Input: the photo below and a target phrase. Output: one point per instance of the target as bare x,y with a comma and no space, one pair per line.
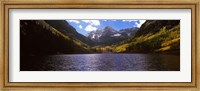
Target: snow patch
93,36
129,34
116,35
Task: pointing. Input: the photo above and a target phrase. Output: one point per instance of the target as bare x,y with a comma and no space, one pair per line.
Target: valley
55,45
59,37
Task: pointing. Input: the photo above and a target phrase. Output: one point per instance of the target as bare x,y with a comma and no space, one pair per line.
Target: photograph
100,45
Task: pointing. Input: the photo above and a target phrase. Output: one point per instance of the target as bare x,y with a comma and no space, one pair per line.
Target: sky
86,26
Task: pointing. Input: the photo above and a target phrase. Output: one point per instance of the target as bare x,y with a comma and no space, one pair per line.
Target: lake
101,62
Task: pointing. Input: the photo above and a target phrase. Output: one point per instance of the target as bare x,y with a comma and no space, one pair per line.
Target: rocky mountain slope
109,36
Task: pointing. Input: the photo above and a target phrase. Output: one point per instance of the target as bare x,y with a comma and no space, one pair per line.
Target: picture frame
110,4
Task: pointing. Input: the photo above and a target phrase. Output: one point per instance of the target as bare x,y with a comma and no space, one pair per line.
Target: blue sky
86,26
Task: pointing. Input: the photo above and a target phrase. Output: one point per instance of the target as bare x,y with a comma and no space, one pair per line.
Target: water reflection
102,62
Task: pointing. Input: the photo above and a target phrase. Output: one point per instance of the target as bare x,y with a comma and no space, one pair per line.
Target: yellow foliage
164,48
167,43
121,48
59,34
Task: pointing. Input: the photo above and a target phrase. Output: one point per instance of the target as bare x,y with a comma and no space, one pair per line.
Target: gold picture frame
126,4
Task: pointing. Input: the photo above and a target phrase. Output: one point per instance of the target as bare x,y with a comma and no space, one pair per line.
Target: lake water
101,62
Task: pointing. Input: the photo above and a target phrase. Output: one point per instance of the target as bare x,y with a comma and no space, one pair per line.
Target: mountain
153,36
95,35
65,28
154,26
109,36
108,31
46,37
37,37
128,32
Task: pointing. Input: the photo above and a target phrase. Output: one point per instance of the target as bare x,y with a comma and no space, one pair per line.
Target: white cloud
90,28
92,22
137,22
80,26
140,23
74,21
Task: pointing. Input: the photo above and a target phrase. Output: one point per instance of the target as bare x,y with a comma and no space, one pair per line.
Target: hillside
153,36
154,26
39,38
65,28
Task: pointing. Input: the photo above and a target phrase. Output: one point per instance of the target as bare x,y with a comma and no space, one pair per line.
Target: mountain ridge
109,35
64,27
